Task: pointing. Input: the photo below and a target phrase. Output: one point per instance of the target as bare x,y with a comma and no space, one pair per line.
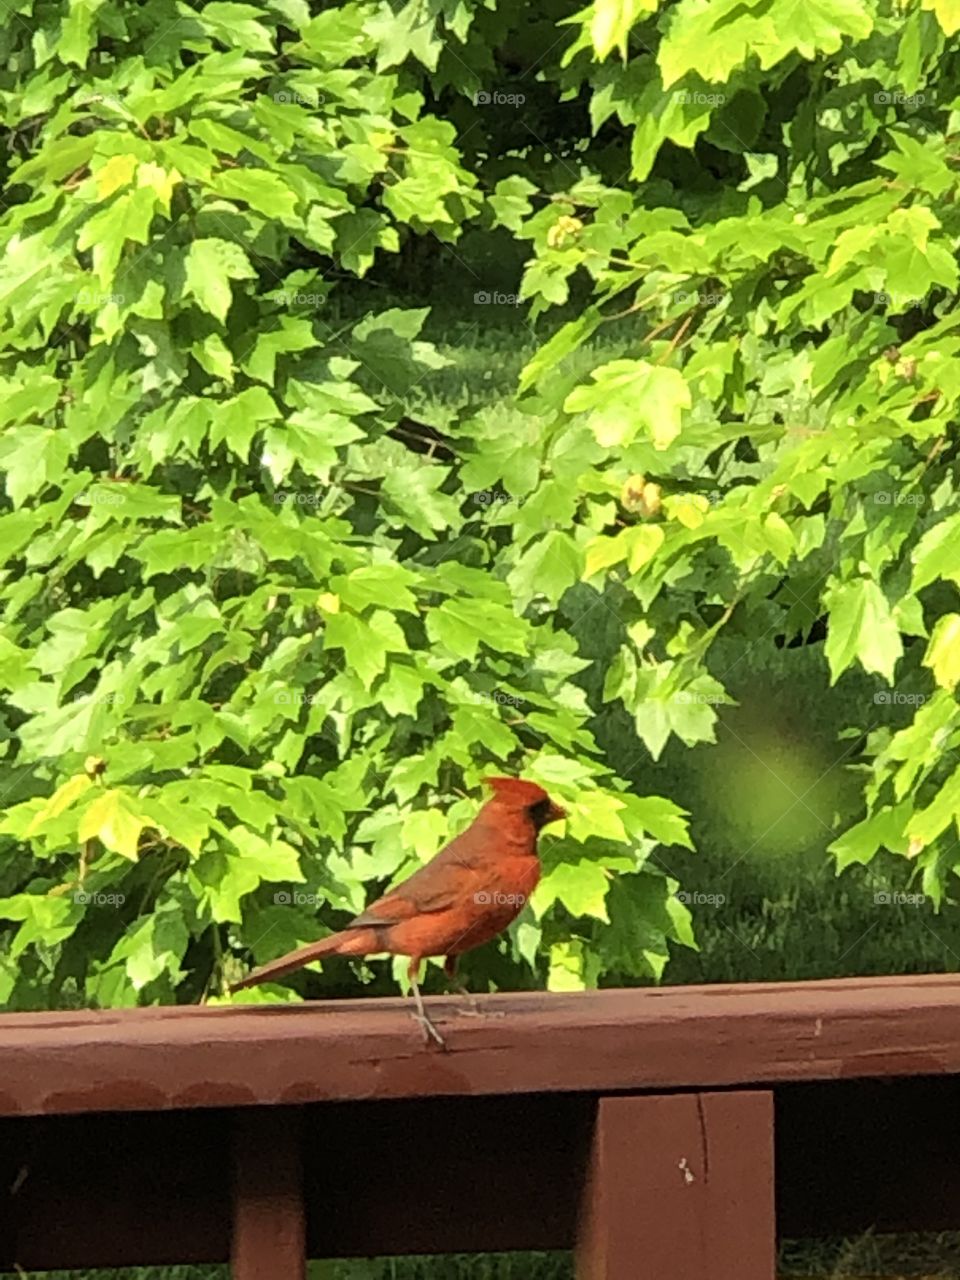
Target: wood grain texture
600,1042
680,1185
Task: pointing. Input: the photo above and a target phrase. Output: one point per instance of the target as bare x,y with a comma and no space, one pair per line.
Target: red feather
517,790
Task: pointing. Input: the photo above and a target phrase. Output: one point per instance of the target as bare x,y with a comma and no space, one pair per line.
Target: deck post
268,1241
680,1186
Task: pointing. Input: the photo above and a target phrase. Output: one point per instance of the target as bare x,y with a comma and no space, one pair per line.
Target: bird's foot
430,1032
472,1010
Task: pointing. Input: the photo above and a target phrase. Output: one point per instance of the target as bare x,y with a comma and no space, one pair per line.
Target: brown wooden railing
663,1134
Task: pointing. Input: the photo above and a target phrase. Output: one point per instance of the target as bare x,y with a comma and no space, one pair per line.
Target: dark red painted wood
680,1185
139,1110
851,1155
268,1240
601,1041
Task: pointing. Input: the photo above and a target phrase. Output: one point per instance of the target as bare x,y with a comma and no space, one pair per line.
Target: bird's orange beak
556,812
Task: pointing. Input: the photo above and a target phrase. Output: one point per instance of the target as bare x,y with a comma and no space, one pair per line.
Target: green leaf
153,945
378,584
548,568
238,420
236,24
883,829
924,827
77,36
175,550
365,643
861,626
266,192
47,921
454,626
937,554
580,886
663,819
209,266
32,457
293,335
127,216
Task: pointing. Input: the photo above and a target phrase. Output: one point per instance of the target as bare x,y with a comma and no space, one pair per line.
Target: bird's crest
517,790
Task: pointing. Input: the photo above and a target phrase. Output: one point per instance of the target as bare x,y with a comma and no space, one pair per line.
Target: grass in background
932,1256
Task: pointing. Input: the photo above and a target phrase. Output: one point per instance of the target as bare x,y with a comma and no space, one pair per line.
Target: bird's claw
428,1029
474,1011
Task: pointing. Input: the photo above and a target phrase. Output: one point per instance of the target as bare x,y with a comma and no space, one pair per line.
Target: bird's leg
421,1016
472,1009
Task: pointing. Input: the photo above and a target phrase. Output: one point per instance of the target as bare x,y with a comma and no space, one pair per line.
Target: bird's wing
440,885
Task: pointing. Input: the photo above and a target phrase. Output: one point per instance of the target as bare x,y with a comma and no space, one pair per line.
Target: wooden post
680,1185
269,1237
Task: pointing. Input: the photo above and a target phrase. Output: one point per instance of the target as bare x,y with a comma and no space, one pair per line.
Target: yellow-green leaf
690,509
580,886
611,23
645,541
943,651
114,819
426,830
116,173
947,12
61,800
161,180
603,552
573,967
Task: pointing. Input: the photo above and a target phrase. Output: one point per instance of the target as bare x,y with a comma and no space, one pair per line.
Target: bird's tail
351,942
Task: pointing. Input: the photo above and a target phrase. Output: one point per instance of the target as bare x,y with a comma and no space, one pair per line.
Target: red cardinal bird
463,897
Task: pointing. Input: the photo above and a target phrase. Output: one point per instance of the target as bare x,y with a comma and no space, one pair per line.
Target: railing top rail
598,1042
